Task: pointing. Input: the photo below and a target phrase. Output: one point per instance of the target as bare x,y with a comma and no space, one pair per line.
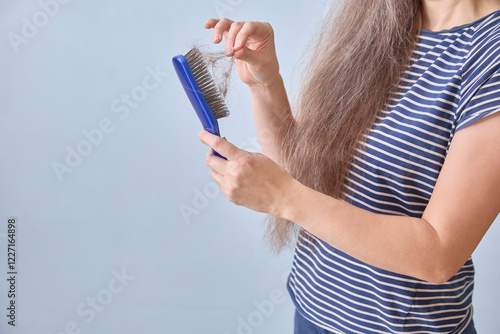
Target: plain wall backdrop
119,227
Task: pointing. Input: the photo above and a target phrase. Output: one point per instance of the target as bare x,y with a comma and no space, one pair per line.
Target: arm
252,45
271,111
464,203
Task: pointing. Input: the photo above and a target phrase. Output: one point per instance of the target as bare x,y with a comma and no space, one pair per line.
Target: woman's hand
249,179
252,44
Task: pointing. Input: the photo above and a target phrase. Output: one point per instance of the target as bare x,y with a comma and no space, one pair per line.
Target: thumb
248,56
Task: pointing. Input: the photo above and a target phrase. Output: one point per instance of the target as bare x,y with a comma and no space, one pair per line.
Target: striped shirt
453,81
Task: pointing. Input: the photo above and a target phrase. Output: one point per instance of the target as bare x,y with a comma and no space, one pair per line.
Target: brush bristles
206,83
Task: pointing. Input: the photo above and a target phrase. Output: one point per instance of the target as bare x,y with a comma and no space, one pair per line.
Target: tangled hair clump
220,67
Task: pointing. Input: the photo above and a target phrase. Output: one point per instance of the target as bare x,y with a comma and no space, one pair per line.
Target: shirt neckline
460,27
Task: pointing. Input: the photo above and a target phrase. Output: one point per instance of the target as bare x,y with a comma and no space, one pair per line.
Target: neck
446,14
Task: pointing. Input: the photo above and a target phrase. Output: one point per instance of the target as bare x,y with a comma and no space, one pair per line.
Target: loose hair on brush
353,66
218,65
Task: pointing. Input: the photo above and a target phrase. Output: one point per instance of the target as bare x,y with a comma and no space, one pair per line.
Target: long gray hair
355,64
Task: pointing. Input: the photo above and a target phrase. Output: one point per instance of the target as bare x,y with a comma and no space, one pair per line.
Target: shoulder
483,58
485,39
486,30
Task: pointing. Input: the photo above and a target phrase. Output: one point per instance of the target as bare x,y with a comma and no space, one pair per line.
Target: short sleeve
481,96
483,102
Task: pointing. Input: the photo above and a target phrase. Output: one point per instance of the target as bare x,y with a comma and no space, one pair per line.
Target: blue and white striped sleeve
481,88
485,102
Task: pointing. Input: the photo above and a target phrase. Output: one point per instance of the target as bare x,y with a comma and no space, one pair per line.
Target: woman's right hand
252,45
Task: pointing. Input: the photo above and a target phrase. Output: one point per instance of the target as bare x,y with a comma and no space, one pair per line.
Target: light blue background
119,209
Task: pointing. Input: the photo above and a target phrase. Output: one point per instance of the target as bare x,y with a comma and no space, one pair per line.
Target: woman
389,169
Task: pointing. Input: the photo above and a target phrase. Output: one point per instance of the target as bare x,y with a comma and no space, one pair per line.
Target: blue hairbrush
201,90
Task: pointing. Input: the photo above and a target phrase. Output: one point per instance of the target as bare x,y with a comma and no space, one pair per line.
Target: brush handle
196,97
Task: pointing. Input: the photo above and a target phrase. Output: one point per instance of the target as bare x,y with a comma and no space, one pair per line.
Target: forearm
273,117
405,245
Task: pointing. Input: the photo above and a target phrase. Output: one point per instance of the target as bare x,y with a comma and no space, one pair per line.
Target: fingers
251,29
221,28
231,37
237,34
217,177
247,55
215,163
211,23
222,146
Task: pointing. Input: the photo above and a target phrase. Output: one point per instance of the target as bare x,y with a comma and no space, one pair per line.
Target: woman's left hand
248,179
